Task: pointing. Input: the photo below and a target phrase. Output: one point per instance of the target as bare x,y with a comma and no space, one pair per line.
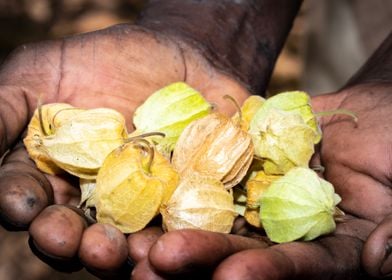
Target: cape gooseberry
199,203
214,146
133,182
169,110
74,140
44,122
299,205
284,131
248,109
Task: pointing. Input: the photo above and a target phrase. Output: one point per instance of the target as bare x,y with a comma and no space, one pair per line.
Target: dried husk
87,189
52,116
169,110
239,199
282,140
131,188
256,186
248,109
300,205
297,102
252,216
80,144
199,203
214,146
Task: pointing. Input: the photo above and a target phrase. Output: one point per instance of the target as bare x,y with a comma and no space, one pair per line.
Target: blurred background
330,40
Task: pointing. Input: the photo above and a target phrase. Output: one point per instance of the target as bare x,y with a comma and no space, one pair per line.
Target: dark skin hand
119,67
116,68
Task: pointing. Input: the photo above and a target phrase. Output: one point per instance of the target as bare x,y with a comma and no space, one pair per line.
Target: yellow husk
216,147
130,189
199,203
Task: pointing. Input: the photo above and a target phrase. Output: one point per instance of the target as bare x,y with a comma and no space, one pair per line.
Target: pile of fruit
191,164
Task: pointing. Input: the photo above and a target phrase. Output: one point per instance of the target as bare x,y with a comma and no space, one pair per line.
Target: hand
358,163
117,68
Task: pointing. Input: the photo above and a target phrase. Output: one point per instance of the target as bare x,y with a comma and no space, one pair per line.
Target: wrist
240,38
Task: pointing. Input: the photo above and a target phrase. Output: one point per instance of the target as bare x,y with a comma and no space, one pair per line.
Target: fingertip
103,248
57,231
139,243
23,195
254,264
377,251
168,253
59,264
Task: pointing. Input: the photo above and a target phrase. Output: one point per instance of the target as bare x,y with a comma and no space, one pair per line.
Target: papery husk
296,102
282,140
80,145
199,203
40,127
248,109
214,146
169,110
239,199
298,206
87,190
256,186
131,188
252,216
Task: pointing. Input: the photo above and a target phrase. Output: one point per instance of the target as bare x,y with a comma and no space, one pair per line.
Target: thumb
22,78
376,254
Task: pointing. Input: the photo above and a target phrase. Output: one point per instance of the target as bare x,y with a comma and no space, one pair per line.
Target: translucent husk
256,186
283,140
44,122
169,110
298,206
296,102
199,203
80,145
87,189
214,146
61,137
132,183
248,109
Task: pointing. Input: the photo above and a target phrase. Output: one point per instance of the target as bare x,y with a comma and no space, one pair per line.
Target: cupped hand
118,68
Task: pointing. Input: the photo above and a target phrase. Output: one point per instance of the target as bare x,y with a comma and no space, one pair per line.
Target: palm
117,67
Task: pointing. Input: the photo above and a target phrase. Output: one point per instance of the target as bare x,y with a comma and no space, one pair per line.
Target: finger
332,257
376,255
24,191
104,252
187,251
361,193
64,190
14,115
139,243
57,231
